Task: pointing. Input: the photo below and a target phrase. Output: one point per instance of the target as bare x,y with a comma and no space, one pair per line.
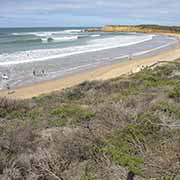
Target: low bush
90,176
71,114
119,147
167,108
175,93
149,78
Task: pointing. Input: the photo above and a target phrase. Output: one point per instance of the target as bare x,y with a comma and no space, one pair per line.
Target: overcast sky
33,13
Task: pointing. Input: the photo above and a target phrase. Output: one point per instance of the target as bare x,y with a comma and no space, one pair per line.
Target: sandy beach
103,73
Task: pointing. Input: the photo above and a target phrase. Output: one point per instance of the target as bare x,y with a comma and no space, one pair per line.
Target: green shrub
74,94
119,147
58,122
15,115
89,176
131,90
165,70
33,115
10,114
71,114
168,108
169,178
175,93
152,79
3,113
148,123
44,97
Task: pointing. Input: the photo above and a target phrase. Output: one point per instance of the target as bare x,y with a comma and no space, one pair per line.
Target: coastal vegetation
123,128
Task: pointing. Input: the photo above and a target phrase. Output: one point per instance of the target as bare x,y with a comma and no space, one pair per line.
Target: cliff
140,28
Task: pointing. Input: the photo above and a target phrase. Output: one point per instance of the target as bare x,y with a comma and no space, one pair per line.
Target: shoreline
100,73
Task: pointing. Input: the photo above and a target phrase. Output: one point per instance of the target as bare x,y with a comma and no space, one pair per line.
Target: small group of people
37,73
140,68
10,91
5,76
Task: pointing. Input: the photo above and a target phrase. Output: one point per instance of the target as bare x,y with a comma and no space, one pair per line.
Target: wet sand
103,73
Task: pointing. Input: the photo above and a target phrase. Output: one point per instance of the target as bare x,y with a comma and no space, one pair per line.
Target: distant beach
61,51
97,73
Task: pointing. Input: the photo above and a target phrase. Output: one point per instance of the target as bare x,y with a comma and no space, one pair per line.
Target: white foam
95,35
44,40
65,38
58,39
48,33
92,46
40,34
74,30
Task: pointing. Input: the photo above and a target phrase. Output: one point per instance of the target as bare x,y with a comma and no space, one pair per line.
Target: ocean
62,51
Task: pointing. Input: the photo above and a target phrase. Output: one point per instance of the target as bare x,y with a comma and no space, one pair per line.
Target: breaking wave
48,33
59,39
95,35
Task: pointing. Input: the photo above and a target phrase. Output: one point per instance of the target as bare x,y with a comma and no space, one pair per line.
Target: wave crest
59,39
48,33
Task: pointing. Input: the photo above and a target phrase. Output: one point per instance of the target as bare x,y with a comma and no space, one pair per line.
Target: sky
90,13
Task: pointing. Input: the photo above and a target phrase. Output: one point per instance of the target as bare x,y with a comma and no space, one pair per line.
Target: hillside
138,28
124,128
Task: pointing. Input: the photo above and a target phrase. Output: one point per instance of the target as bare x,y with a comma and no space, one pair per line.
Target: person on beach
142,67
138,68
5,77
43,72
130,57
8,88
34,73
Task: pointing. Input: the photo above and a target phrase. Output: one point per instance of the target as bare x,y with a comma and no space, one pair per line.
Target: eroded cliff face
142,29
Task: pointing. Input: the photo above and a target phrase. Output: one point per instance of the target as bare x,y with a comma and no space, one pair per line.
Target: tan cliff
140,28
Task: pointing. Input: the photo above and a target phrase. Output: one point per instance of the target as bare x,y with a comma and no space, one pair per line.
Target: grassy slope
96,131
